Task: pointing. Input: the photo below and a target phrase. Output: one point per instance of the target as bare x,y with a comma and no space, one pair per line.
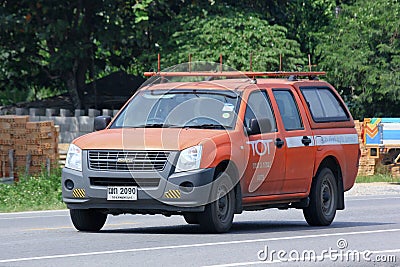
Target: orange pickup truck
210,148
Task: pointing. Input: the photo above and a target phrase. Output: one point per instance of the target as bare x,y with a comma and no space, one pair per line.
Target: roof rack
237,74
292,75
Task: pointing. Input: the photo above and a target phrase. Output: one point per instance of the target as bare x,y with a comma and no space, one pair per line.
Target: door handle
306,140
279,143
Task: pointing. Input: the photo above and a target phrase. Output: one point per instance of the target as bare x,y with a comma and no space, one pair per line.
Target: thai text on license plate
122,193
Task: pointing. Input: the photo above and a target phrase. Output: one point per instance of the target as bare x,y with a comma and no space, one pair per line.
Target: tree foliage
361,52
50,43
235,35
63,45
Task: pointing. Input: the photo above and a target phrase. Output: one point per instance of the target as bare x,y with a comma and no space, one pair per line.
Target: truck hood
146,138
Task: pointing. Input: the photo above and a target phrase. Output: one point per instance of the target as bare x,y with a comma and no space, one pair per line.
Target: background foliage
361,50
32,193
49,47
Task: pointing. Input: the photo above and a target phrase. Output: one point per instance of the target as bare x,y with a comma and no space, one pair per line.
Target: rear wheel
87,219
218,215
323,199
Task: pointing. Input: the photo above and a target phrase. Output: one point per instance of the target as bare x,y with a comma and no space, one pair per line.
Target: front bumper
171,196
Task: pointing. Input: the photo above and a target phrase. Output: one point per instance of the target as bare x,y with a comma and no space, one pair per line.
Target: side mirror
258,126
101,122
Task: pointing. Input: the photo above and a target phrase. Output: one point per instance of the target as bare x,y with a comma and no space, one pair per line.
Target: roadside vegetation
42,192
385,178
382,174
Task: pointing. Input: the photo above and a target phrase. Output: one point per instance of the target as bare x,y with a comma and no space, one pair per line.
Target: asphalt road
367,233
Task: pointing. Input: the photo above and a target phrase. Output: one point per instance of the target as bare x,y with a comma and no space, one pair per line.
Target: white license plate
122,193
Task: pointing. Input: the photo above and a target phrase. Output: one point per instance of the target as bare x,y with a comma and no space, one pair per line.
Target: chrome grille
127,160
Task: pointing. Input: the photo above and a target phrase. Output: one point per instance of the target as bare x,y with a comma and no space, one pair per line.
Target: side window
288,109
323,104
259,107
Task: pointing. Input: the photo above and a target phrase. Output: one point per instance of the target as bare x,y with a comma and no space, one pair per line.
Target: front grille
127,160
141,182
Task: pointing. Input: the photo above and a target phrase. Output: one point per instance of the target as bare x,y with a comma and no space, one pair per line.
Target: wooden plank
14,119
39,124
5,136
5,125
6,142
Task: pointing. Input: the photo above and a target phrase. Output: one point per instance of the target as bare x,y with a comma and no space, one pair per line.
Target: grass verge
42,192
378,178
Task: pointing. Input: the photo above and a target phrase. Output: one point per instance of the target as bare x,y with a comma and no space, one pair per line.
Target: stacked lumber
26,147
395,170
367,165
63,150
359,127
12,129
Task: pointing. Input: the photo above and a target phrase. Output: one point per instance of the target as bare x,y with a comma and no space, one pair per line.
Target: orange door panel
265,169
299,142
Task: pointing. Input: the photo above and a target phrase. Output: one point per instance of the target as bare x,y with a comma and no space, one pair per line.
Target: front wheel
323,199
218,215
88,220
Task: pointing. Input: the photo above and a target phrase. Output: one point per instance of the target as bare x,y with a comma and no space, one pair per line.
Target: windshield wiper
207,126
157,125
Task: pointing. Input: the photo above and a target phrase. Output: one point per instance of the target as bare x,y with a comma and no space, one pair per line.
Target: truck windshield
213,109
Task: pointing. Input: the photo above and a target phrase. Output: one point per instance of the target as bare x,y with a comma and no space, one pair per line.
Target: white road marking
314,260
49,228
192,245
34,217
372,198
32,212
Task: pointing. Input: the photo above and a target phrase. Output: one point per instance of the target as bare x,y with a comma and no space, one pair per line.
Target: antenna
309,63
159,64
220,62
190,62
251,61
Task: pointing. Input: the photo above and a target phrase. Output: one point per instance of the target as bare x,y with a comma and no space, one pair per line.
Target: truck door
265,170
299,141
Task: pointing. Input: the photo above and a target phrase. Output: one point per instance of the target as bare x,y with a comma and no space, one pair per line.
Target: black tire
191,218
88,220
218,214
323,199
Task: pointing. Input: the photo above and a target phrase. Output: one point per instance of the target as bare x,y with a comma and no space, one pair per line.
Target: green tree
64,43
361,52
236,35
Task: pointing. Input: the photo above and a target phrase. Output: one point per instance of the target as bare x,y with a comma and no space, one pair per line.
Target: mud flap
340,200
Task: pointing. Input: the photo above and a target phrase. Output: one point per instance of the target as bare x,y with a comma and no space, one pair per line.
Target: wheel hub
222,203
326,197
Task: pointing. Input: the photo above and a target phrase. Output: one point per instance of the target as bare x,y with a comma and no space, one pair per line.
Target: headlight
74,158
189,159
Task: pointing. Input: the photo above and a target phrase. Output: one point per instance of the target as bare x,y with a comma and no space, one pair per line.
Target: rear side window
323,105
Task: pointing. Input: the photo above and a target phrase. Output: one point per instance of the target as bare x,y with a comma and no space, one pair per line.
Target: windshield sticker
228,107
226,115
165,96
